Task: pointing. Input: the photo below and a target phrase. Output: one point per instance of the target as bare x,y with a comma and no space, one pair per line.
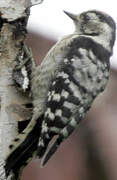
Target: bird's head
94,23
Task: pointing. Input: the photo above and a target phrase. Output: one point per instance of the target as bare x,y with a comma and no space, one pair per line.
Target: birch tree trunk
13,19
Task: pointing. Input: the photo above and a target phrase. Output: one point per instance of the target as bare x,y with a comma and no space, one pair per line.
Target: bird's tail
51,150
2,170
23,152
65,133
44,141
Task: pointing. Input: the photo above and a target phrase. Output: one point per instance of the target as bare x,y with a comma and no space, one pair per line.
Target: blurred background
90,153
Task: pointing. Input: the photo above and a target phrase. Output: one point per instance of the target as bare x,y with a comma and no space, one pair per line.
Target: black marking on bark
28,105
17,139
11,146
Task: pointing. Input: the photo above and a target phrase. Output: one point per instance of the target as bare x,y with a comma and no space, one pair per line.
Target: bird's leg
24,57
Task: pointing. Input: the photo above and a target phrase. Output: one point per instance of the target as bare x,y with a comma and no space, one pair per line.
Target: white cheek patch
104,37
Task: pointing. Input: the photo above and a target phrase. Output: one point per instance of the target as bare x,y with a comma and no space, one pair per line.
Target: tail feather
2,171
52,150
20,156
43,144
65,133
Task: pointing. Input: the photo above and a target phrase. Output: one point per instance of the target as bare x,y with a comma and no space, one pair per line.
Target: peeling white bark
14,9
10,98
9,95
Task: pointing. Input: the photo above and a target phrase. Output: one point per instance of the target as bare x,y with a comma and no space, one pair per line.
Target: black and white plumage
81,73
66,83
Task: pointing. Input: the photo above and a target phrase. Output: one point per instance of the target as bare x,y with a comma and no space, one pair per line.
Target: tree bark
13,20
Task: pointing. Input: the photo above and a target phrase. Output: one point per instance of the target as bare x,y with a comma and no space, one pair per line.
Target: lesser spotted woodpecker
66,83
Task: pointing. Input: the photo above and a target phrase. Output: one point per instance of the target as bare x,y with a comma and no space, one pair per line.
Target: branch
14,103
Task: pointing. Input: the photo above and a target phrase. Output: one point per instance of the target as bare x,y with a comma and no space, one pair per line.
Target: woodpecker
73,73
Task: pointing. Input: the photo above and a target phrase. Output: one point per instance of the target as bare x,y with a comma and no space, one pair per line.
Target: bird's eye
86,18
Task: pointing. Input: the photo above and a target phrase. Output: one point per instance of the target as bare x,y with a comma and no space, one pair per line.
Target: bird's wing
63,101
65,105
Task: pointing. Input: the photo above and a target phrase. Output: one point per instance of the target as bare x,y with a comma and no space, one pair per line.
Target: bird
64,86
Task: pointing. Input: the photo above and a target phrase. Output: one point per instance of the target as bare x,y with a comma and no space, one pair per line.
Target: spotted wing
63,101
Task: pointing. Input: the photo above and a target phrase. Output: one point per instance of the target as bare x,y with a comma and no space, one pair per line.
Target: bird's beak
72,16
